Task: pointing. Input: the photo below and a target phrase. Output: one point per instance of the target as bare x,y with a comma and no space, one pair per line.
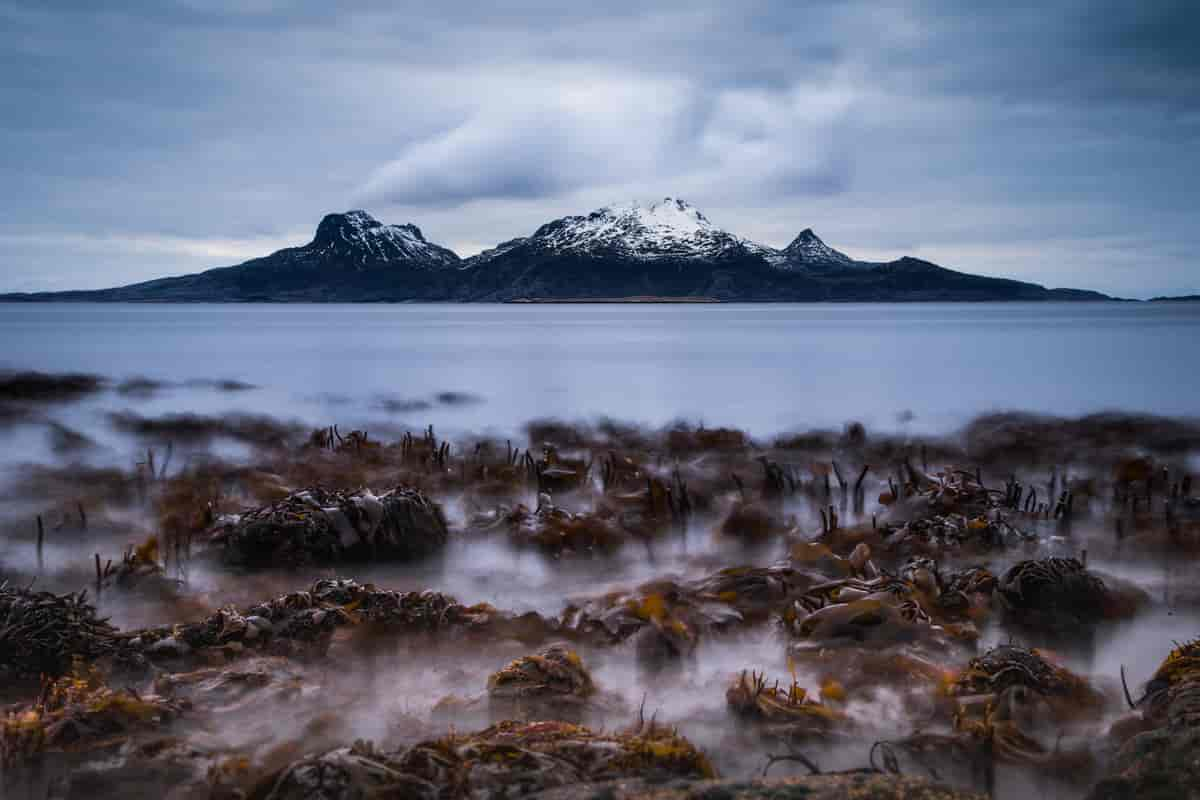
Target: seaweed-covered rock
754,592
303,623
834,786
224,689
937,534
507,760
556,531
786,711
1012,705
319,526
141,572
1162,763
80,713
350,773
553,683
555,673
1005,667
725,599
665,618
42,633
1059,596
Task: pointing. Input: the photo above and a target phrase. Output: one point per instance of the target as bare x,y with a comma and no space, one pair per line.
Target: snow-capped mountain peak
671,216
364,239
668,228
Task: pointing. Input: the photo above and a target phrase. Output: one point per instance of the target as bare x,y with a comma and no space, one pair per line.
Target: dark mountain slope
665,249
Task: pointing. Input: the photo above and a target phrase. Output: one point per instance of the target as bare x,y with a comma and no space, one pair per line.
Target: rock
839,786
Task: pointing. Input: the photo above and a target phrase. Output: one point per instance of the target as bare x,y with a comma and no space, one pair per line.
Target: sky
1054,141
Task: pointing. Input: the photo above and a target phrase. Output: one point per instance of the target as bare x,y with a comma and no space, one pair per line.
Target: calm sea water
767,368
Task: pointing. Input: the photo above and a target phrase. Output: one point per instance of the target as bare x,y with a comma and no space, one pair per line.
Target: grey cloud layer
1052,141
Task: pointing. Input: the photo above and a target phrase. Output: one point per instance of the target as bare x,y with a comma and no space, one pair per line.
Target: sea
766,368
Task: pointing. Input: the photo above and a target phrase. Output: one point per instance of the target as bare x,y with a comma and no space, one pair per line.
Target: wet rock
318,526
40,387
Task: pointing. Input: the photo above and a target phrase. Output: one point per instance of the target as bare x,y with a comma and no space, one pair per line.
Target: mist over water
763,368
489,370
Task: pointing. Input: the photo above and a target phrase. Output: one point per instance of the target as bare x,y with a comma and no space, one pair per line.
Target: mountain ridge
664,249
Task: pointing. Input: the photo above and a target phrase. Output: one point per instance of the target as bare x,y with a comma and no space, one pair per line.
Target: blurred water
766,368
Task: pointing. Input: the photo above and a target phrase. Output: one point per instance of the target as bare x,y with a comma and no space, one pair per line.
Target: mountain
807,251
666,249
356,240
668,229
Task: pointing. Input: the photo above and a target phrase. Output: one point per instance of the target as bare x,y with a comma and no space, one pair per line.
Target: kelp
786,711
79,712
42,633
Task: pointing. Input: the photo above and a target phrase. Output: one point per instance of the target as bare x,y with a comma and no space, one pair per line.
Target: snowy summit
668,228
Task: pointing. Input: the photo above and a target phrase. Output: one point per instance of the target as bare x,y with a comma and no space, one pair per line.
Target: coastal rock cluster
700,614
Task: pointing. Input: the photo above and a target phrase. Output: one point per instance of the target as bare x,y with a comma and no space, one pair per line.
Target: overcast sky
1054,141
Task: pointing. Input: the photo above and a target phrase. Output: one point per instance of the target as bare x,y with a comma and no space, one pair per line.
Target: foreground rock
1164,762
508,760
845,786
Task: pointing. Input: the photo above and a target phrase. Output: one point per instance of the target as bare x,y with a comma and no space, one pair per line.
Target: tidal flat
254,607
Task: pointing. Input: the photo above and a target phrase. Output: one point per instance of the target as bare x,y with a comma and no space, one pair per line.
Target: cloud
65,260
939,126
539,138
624,134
